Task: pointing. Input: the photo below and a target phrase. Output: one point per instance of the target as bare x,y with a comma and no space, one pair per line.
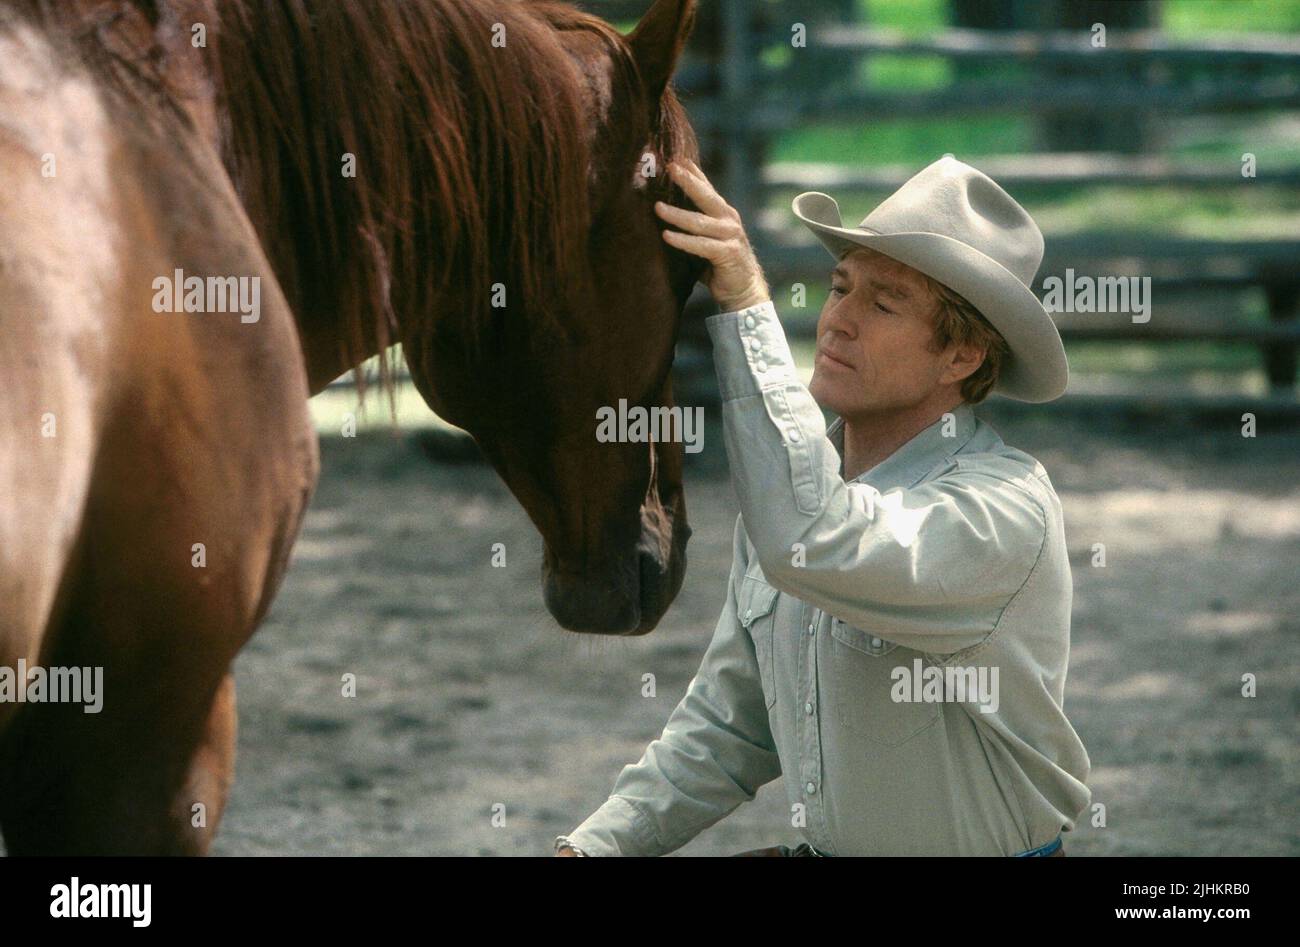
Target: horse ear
657,42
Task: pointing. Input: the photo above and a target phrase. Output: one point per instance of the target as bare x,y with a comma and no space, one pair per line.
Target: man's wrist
755,292
562,842
744,302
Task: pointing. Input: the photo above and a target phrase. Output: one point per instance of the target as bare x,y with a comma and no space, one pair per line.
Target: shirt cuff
750,351
616,828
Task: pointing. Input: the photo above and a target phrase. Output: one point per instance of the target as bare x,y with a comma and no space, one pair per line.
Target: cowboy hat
952,223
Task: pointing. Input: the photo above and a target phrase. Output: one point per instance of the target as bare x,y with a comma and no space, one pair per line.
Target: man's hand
717,235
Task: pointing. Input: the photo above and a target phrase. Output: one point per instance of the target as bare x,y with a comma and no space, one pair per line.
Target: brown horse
209,211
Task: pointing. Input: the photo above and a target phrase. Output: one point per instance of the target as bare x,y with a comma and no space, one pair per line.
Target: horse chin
628,599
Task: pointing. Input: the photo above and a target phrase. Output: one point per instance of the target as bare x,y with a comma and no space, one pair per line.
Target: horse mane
471,162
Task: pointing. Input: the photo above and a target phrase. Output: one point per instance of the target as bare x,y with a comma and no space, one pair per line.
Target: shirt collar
906,466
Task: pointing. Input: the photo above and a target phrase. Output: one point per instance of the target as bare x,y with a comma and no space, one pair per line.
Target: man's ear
970,358
657,44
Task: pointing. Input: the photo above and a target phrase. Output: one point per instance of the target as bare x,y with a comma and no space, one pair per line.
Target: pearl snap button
794,437
812,788
875,642
749,613
807,707
760,366
750,322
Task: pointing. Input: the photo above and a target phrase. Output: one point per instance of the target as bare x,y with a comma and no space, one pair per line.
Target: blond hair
957,321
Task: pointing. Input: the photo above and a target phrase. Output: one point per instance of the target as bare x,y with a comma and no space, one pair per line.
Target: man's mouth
830,359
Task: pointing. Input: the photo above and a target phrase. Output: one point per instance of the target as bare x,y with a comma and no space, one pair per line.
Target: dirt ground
478,727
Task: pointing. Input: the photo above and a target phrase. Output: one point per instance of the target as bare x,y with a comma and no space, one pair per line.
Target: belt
1044,851
806,851
1052,848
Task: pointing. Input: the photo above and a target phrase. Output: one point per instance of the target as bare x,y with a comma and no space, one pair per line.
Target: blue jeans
1043,851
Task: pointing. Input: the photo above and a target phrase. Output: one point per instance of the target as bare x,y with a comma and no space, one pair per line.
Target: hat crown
952,199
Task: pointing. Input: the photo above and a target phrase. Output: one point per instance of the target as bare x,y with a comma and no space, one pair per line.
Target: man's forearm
715,752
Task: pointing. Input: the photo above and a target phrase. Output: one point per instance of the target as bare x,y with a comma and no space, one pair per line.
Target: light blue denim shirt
894,647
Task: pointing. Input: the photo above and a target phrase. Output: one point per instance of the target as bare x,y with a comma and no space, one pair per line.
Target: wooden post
1280,361
1129,132
742,151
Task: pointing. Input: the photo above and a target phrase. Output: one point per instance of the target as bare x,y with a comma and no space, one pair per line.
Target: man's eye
884,309
837,290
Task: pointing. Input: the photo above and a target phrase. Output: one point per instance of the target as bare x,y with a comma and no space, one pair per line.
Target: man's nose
839,319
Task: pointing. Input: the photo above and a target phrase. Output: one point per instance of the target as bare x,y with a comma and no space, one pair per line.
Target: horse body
146,530
130,440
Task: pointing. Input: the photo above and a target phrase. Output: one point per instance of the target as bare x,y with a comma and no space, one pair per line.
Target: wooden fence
744,83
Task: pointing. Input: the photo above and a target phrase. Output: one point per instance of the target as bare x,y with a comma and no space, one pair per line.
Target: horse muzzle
621,595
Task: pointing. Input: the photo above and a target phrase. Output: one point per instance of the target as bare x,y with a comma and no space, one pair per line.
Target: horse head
612,514
498,222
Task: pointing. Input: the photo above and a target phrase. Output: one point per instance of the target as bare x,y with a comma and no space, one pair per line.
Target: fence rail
1016,171
1072,47
741,97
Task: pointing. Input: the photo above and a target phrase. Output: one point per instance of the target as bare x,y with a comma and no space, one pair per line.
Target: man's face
874,337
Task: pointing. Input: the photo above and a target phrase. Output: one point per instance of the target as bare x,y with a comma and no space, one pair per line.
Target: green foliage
1192,19
914,17
907,73
1246,211
903,140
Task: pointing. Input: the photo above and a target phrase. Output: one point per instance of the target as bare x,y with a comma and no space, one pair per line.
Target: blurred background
480,728
1130,157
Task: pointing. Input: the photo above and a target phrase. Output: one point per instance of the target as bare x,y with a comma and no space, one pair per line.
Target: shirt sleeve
714,754
930,567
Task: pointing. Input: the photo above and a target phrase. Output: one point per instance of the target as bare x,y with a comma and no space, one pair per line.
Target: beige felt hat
954,224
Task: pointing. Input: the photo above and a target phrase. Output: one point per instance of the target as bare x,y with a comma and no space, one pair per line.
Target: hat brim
1036,370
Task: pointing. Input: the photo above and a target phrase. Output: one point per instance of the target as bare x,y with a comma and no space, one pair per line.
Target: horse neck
465,183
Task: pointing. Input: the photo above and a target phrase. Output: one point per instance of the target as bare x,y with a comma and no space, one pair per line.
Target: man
896,630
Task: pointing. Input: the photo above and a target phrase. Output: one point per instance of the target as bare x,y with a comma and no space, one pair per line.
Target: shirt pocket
756,609
861,676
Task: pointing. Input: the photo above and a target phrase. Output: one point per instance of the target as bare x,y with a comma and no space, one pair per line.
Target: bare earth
470,701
